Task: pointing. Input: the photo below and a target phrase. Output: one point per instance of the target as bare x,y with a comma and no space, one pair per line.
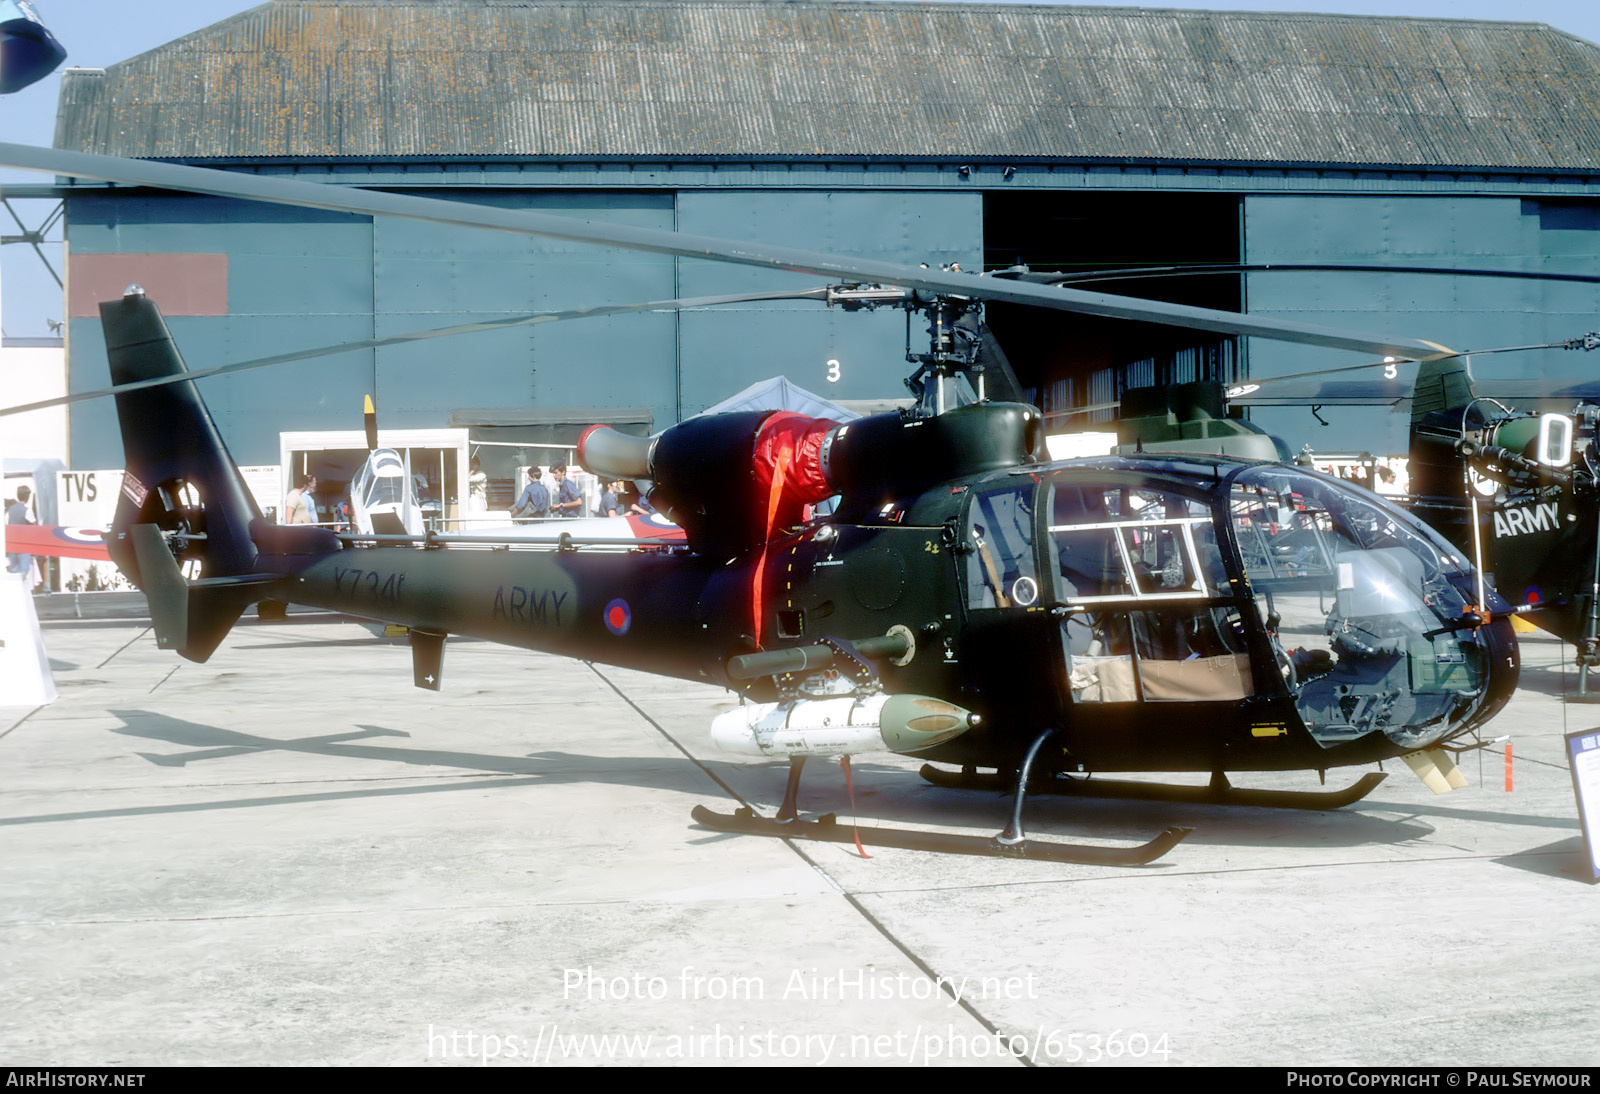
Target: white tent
780,394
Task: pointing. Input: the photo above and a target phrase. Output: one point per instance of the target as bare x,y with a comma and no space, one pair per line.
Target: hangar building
1064,137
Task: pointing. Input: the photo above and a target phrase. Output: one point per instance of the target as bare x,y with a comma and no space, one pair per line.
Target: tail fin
1442,397
1442,385
183,498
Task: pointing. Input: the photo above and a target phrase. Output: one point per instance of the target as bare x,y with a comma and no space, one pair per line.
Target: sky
99,33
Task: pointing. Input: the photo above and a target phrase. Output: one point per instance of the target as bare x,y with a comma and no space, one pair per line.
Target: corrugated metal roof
674,78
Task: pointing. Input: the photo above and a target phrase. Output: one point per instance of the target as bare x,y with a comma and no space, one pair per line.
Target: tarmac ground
289,855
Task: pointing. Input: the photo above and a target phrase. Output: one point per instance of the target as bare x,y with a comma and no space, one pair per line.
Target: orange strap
844,762
774,498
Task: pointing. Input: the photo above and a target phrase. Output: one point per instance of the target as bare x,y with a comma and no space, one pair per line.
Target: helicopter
1507,470
967,601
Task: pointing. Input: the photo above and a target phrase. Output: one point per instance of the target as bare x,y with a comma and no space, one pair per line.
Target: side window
1115,544
1139,572
1001,572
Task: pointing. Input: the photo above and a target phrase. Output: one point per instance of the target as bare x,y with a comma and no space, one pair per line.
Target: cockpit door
1143,596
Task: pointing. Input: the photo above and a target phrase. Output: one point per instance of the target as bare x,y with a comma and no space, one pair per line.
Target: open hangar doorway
1066,362
435,459
507,441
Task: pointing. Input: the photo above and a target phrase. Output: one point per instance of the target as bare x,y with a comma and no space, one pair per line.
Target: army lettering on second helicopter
527,605
1529,518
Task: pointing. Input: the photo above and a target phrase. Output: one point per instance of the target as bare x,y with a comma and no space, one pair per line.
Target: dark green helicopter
967,601
1507,470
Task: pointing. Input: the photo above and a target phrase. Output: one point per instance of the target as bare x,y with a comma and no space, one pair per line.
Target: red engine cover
787,456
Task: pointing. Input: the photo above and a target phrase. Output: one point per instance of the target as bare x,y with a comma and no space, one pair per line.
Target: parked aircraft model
968,601
383,497
56,541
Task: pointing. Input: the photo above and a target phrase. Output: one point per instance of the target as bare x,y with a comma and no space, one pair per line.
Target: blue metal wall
430,275
296,278
731,348
303,278
1463,313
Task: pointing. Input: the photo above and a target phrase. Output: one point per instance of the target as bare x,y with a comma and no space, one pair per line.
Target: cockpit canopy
1239,579
383,498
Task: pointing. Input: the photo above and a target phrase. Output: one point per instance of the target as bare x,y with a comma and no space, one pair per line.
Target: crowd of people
562,497
544,496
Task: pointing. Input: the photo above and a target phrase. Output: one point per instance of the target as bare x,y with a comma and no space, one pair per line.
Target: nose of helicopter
1382,625
1504,667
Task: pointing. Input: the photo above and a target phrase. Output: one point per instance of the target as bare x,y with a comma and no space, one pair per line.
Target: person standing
609,505
638,504
17,513
300,507
1386,482
568,501
534,502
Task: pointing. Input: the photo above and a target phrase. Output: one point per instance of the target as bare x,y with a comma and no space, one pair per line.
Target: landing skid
1219,792
827,829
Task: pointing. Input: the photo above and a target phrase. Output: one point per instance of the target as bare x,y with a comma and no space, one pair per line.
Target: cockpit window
1365,619
1121,543
1139,574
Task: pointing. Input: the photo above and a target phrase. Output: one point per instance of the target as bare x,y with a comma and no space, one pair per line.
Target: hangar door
1066,361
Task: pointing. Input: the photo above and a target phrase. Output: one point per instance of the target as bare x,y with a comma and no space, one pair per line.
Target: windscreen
1364,605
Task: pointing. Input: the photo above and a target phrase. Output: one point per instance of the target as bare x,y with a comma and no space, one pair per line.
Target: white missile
840,727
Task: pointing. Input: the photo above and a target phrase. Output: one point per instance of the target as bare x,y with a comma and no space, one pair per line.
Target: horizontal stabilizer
292,539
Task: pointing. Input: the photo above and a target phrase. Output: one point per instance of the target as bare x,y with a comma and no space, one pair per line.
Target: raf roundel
618,616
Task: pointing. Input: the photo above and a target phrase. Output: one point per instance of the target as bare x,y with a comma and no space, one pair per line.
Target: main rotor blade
1136,273
1320,393
421,336
282,191
1314,388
